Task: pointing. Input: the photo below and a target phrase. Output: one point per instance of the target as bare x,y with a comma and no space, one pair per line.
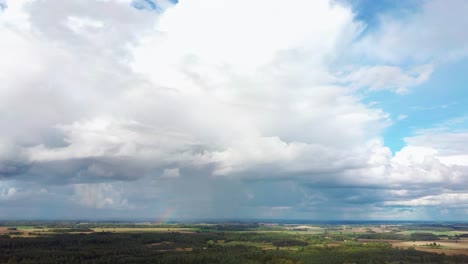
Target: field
75,242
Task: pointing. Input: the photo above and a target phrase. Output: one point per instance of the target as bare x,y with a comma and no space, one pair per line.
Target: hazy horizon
234,109
285,221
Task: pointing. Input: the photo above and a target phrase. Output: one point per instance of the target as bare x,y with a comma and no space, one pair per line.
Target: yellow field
437,233
143,230
449,247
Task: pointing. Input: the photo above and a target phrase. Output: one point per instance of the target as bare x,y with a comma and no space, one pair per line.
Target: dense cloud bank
211,108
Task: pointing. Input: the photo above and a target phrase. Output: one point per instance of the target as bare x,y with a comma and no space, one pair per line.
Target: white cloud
401,117
389,78
97,91
214,100
100,195
171,173
218,36
448,143
435,32
445,199
102,137
83,25
7,193
432,158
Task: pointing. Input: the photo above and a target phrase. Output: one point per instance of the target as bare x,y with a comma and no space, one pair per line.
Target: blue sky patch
369,11
429,105
145,5
149,5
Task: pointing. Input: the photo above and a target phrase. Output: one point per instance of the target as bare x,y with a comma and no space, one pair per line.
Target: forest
66,242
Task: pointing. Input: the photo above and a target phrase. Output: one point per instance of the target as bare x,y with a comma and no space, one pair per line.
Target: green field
68,242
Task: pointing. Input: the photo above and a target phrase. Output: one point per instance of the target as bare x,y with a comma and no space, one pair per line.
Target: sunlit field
74,242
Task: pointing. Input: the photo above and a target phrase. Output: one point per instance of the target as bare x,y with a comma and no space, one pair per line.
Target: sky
234,109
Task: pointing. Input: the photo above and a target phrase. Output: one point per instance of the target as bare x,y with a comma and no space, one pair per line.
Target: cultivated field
237,242
442,246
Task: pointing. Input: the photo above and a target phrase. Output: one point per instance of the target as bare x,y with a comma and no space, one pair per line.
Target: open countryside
232,242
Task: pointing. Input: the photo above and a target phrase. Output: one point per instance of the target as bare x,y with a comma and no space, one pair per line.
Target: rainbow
164,219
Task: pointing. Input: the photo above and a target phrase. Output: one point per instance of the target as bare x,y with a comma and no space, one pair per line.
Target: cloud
389,78
13,160
99,196
220,23
401,117
171,173
446,199
447,143
7,193
431,33
435,161
111,138
179,118
207,107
